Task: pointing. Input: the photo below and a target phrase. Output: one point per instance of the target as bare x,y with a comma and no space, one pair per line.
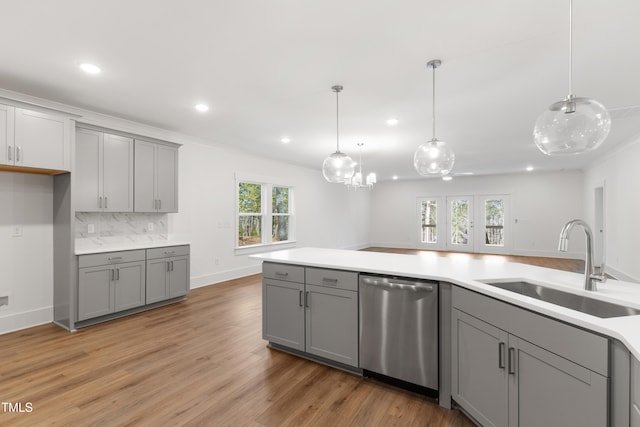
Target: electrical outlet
17,231
91,228
150,226
4,300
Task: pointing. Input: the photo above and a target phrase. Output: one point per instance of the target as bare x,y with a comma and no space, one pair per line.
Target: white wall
327,215
621,176
541,202
26,262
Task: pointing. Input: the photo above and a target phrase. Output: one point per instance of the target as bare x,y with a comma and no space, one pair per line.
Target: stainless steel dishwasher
399,329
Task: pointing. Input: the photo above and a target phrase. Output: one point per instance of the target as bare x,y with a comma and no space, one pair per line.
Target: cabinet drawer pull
282,273
501,347
10,152
115,258
300,298
512,361
169,252
330,280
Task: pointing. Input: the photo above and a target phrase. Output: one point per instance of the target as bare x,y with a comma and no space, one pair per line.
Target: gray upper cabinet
156,177
33,139
511,367
7,121
104,172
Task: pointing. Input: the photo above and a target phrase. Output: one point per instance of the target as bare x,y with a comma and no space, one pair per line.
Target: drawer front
94,260
167,251
286,272
582,347
332,278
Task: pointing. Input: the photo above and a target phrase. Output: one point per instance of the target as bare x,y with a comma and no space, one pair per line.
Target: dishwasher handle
397,284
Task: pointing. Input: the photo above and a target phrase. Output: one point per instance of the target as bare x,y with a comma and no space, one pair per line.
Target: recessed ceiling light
394,177
529,168
90,68
201,107
285,140
392,122
447,178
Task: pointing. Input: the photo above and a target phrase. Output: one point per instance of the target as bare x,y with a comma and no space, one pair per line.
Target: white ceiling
266,68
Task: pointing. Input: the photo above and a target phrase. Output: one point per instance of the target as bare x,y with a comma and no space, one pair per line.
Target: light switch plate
91,228
150,226
17,231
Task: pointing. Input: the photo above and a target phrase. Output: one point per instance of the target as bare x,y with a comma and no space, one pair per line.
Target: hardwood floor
198,362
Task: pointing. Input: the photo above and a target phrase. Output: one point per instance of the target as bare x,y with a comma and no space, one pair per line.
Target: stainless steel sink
568,300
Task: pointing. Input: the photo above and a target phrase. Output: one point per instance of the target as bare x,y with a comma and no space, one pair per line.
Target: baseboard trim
26,319
223,276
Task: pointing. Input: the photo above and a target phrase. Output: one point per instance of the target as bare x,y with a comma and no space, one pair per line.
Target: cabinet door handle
10,152
501,347
306,299
106,201
18,153
168,266
117,274
159,204
512,361
171,265
113,274
300,298
100,202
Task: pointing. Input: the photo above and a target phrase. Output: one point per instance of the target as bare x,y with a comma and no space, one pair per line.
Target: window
261,206
494,222
429,216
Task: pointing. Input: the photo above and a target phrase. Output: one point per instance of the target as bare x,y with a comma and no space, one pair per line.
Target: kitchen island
621,348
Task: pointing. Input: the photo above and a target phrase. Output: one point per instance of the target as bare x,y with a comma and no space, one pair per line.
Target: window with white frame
264,213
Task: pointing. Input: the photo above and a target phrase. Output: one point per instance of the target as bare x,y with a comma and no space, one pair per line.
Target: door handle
113,274
159,204
106,201
171,265
10,152
18,153
300,299
306,299
117,274
100,202
512,361
501,347
168,266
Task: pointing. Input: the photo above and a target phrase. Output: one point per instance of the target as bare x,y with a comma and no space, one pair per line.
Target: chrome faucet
590,278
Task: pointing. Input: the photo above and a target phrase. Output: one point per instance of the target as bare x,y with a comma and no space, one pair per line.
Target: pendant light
434,158
355,181
338,167
573,125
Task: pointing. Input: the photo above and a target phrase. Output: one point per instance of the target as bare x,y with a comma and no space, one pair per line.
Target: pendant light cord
570,47
337,123
434,104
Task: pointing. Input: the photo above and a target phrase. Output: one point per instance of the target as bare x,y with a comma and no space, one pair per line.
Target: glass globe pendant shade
433,158
338,167
572,126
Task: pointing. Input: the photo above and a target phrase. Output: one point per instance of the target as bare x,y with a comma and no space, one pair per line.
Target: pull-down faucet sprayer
590,278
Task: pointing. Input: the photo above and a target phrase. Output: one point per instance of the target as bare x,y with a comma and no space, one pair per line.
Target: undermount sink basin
568,300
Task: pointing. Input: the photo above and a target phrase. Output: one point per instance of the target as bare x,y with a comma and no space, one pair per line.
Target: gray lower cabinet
312,310
167,273
635,392
112,282
283,313
511,367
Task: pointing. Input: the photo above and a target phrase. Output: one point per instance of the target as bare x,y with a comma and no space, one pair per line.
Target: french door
464,223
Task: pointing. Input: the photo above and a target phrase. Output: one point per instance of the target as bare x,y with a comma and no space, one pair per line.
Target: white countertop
85,248
466,272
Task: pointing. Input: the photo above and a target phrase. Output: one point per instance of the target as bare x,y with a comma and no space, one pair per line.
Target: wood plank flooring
198,362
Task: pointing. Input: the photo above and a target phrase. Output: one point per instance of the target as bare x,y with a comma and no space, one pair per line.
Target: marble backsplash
116,228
